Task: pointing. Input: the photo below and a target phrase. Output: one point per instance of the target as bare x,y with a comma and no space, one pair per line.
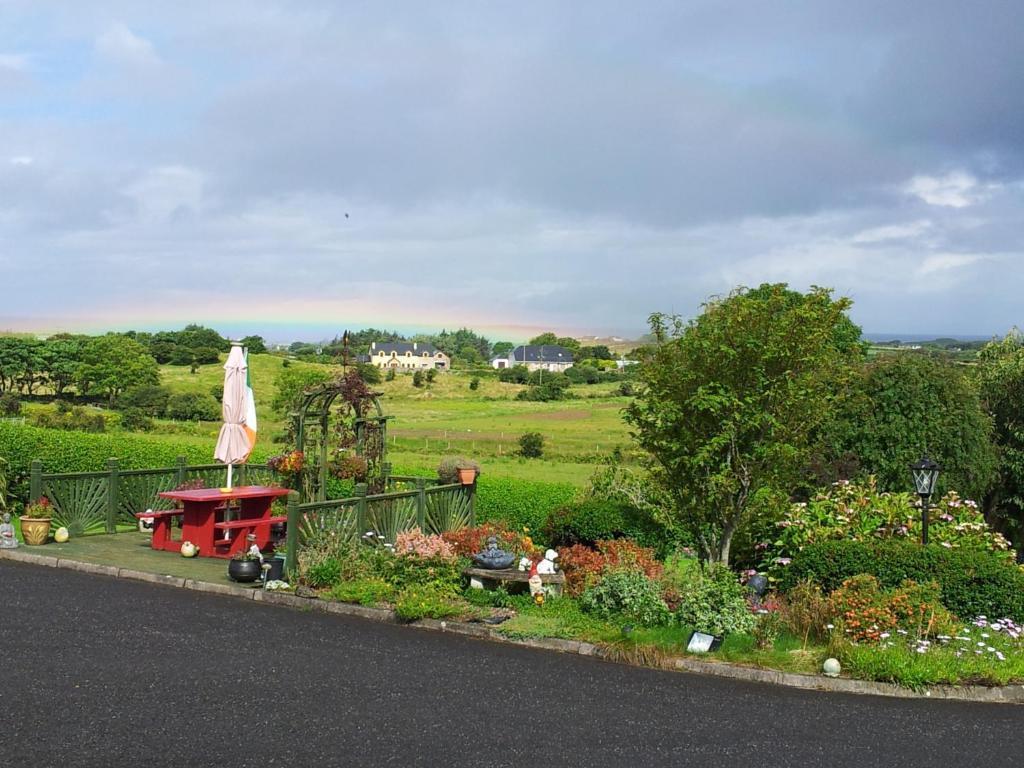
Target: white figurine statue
7,537
525,563
254,549
547,565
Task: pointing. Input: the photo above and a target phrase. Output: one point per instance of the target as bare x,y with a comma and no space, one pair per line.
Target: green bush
595,519
151,399
714,601
426,601
365,591
136,420
10,405
72,418
629,594
531,445
973,582
193,406
474,383
417,379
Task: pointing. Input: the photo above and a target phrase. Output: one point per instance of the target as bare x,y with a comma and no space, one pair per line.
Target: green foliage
972,582
519,503
859,512
5,501
628,594
136,420
731,401
365,591
1000,375
531,445
547,338
417,379
369,373
431,375
151,399
255,344
502,348
426,601
474,383
113,363
714,601
22,365
292,383
390,375
193,406
517,374
10,405
74,418
593,519
898,407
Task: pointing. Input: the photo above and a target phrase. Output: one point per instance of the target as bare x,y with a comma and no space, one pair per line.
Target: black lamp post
926,473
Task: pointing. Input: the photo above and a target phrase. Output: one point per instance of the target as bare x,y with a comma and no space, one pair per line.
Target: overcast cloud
572,165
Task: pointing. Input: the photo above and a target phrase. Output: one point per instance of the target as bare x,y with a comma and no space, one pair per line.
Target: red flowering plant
584,566
468,541
41,509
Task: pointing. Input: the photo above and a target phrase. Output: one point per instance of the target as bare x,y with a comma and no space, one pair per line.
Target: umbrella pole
230,468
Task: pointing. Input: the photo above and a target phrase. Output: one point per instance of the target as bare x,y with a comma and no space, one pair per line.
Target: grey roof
401,347
541,353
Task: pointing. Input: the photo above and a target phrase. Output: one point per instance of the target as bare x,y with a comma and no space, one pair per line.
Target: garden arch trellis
356,424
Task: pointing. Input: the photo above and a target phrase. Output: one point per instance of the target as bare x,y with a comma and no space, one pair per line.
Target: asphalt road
108,672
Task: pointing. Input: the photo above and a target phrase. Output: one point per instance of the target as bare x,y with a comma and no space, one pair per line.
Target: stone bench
513,579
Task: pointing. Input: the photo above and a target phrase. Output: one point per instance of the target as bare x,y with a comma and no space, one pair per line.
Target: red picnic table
204,523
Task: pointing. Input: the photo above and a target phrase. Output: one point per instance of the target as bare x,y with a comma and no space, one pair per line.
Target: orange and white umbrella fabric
234,444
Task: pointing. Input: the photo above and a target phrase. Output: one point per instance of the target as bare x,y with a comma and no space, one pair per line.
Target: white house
547,357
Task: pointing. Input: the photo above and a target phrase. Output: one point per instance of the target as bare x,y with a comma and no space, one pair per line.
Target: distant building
408,356
536,357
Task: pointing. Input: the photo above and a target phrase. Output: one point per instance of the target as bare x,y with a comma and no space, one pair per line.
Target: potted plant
35,521
245,567
457,469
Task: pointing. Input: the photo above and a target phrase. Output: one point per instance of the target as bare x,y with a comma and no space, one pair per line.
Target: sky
294,169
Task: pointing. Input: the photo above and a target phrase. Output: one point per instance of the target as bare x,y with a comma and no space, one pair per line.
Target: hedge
63,451
592,520
973,582
518,503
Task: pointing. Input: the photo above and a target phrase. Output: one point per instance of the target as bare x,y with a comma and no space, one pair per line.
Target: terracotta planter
35,530
467,476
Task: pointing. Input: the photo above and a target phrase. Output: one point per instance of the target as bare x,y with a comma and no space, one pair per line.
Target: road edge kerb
1009,694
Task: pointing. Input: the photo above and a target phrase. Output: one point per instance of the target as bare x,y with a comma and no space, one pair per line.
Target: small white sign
700,643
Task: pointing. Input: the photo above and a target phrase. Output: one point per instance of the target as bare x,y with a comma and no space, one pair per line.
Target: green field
443,418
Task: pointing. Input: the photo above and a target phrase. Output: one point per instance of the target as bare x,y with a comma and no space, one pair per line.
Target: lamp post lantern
925,473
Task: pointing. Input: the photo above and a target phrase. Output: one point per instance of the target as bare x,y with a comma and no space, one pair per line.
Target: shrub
193,406
431,375
136,420
971,582
417,379
531,445
629,594
10,405
474,383
595,519
426,601
369,373
861,513
805,612
519,503
390,375
416,543
468,541
151,399
584,566
71,418
365,591
715,602
864,612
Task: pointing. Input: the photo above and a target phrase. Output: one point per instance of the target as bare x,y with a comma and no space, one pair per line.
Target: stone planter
35,530
244,571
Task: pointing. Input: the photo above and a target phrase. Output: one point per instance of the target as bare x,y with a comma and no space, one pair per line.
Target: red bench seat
158,513
252,523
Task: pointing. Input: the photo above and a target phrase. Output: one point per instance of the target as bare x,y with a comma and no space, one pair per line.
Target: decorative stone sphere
831,668
61,535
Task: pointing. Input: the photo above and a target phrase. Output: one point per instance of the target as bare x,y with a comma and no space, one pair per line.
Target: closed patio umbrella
234,444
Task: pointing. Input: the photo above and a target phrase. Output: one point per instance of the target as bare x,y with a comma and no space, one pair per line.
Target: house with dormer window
537,357
408,356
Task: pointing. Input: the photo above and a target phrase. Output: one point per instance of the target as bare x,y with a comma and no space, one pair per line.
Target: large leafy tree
113,363
731,401
62,357
1000,375
21,364
901,406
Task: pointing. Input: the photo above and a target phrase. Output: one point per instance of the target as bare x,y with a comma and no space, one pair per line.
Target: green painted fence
98,502
431,507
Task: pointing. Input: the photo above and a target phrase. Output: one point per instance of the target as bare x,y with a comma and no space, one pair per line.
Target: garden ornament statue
254,548
188,549
547,565
492,558
7,538
525,563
